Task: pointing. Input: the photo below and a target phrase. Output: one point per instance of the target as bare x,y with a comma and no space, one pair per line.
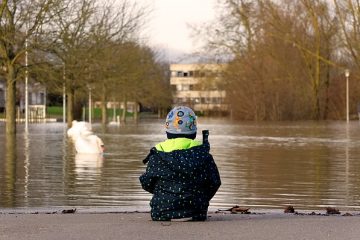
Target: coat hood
185,160
176,144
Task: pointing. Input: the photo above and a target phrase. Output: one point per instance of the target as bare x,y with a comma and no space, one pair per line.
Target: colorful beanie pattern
181,120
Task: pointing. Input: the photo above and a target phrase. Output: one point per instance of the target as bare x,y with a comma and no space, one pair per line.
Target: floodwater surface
310,165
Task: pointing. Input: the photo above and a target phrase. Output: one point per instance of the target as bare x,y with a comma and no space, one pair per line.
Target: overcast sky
168,26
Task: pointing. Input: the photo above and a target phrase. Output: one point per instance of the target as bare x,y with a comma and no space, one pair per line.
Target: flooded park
267,165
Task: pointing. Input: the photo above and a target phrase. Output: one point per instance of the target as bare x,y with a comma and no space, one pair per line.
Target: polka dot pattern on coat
182,182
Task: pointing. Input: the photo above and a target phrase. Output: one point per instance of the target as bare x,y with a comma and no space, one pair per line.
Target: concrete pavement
262,226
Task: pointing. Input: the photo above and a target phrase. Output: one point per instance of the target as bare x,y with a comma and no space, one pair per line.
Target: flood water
310,165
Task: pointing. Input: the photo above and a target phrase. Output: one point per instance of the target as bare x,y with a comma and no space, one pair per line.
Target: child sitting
181,173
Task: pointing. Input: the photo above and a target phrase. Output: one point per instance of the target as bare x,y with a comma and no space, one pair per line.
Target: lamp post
64,104
90,106
26,87
347,74
64,97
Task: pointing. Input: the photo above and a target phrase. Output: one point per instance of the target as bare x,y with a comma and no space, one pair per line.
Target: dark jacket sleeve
149,178
214,180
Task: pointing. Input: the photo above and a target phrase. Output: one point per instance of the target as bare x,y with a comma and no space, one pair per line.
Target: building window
216,100
31,98
198,73
2,98
42,98
179,74
183,87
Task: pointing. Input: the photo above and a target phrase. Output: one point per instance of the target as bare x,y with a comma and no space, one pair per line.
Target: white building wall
188,80
37,99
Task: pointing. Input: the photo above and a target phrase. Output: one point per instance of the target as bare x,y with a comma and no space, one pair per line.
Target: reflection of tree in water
122,167
68,152
271,167
261,165
82,177
287,175
309,171
7,185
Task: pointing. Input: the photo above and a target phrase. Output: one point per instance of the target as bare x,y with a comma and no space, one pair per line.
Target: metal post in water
64,98
26,87
114,112
44,114
90,107
347,74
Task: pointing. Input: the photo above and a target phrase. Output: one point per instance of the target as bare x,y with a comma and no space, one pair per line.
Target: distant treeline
288,58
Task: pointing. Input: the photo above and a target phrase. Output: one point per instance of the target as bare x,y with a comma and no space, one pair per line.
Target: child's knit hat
181,120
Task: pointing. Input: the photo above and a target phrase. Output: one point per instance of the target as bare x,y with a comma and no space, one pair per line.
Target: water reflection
88,166
310,165
26,166
347,163
8,189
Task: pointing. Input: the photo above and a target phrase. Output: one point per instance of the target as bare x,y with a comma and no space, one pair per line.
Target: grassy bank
57,112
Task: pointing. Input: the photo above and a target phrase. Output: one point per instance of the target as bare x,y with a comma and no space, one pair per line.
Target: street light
26,87
90,107
347,74
64,96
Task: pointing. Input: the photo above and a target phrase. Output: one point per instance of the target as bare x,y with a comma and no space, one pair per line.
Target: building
198,86
37,101
36,98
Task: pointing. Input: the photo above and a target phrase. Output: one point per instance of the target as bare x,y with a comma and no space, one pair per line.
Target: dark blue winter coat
182,182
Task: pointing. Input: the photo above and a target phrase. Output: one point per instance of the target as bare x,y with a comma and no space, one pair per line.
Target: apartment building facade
198,86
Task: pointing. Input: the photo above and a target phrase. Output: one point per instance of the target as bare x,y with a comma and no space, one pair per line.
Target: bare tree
283,57
19,21
115,25
71,46
348,16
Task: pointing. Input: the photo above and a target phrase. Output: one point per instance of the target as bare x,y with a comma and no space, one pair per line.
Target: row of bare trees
80,44
287,58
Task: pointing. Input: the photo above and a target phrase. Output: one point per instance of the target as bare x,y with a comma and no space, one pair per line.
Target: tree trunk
103,112
135,109
123,115
10,101
103,107
327,86
10,169
317,76
70,107
316,88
